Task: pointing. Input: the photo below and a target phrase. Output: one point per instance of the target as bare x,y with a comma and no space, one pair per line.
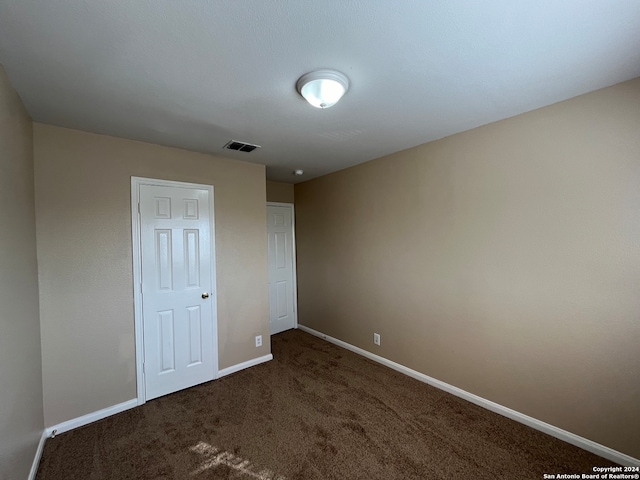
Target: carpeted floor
316,411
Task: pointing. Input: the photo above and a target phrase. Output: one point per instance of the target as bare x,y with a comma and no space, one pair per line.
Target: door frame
136,182
293,252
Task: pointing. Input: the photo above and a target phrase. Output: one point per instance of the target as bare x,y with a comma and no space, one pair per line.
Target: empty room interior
304,240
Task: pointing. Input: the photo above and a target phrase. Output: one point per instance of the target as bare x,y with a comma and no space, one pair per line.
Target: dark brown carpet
316,411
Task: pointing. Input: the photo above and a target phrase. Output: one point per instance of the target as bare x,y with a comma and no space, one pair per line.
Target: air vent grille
241,146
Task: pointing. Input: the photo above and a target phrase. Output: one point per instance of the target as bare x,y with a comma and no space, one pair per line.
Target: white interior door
281,268
178,297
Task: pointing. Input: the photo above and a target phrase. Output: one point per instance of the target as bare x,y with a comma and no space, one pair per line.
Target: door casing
137,276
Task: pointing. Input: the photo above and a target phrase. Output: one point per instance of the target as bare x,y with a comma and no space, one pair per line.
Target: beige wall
279,192
85,260
21,421
504,260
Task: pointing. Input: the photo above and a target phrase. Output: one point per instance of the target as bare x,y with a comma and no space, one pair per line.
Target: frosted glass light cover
323,93
323,88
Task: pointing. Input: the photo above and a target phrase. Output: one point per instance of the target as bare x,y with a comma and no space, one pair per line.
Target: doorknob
205,295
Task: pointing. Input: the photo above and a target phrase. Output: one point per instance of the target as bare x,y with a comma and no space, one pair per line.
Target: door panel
164,262
192,257
281,278
282,300
195,333
166,341
176,250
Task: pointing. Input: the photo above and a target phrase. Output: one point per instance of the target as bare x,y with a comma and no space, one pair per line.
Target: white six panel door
280,245
177,290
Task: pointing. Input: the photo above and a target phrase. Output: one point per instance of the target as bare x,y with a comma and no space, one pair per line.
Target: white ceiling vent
241,146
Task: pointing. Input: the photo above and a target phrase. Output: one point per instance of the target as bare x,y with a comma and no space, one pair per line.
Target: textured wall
85,260
21,422
504,260
279,192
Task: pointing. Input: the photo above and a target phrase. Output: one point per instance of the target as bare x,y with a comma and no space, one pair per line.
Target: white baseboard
547,428
90,417
121,407
38,455
243,365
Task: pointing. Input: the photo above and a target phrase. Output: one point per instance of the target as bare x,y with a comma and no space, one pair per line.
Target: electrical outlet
376,338
258,341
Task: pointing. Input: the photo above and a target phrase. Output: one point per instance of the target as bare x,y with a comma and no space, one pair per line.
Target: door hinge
143,371
138,207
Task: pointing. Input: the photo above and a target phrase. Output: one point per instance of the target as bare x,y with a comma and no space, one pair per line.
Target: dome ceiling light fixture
323,88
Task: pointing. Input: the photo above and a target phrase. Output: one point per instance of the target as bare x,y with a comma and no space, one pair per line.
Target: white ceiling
197,73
